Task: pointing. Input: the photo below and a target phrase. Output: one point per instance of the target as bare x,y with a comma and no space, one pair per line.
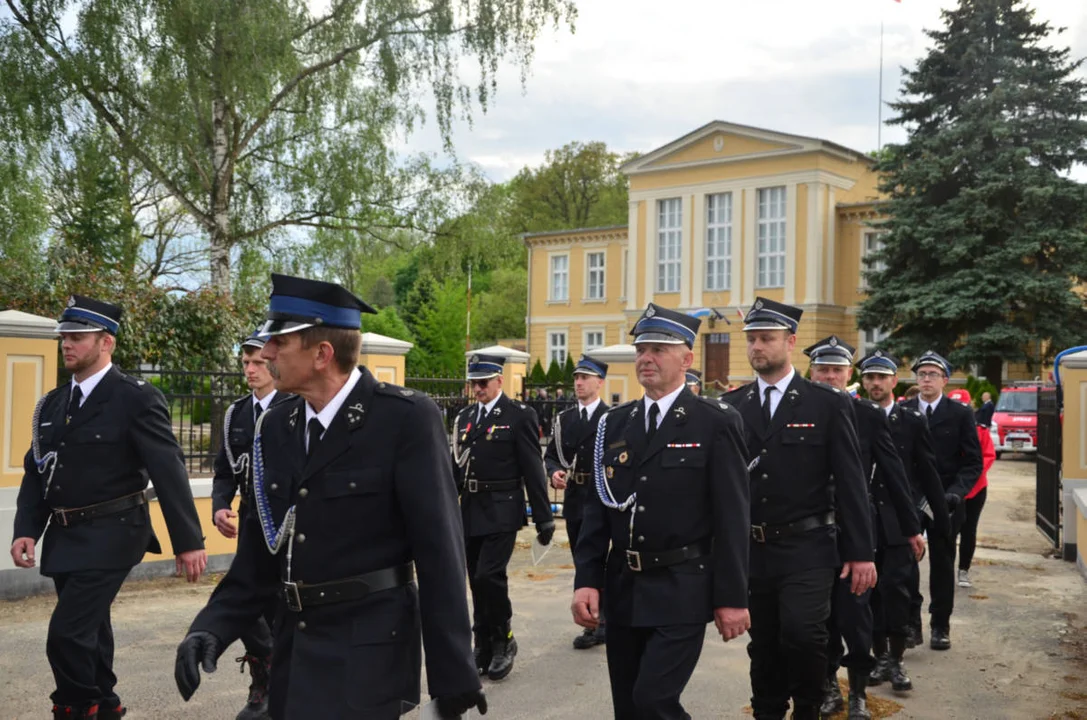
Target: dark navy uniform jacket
506,446
896,517
577,440
955,445
911,436
240,437
376,493
691,484
120,436
807,463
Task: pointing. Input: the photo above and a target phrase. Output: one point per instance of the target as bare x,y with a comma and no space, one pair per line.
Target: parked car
1015,421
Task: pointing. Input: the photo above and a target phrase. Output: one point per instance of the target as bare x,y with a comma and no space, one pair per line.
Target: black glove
454,706
545,532
198,649
953,501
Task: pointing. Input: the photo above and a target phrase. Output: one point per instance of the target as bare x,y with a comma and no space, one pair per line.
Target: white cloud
640,73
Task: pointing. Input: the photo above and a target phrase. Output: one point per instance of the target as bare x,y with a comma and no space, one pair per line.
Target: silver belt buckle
473,485
634,560
290,594
758,533
62,515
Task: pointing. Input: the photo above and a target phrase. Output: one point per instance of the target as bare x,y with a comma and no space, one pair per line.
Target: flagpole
879,121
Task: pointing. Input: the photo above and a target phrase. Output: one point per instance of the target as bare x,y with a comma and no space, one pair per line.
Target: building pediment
720,142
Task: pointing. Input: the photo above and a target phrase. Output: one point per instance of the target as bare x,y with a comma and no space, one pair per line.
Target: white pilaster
632,256
790,244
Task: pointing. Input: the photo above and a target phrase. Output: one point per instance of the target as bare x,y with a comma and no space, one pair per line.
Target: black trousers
851,622
968,538
79,644
891,598
258,638
941,566
573,531
488,556
649,669
788,647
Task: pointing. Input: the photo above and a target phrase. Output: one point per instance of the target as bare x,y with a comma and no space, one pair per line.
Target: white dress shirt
589,409
328,413
775,397
925,405
264,403
489,406
664,405
89,384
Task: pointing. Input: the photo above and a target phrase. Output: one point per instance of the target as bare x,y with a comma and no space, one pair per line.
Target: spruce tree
987,235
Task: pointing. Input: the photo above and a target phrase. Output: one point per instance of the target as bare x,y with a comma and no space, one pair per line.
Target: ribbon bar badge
684,445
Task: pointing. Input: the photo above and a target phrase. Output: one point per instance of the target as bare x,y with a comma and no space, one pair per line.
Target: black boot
260,669
882,671
900,681
481,650
915,637
505,649
858,699
68,712
833,702
113,713
941,639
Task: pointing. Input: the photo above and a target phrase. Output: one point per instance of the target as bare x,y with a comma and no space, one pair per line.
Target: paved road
1020,645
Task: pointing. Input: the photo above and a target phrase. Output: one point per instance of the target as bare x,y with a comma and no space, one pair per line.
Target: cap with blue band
587,365
254,340
934,359
767,314
831,350
694,377
84,314
299,303
661,325
879,363
484,367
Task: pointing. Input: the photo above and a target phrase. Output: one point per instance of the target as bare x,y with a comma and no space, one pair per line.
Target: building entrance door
715,361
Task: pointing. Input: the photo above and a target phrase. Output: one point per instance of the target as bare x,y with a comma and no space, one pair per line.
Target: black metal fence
1047,497
449,393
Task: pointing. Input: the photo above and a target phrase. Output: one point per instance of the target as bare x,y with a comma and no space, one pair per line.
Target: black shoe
858,706
900,681
505,650
833,702
482,652
881,672
589,639
915,637
260,669
941,639
113,713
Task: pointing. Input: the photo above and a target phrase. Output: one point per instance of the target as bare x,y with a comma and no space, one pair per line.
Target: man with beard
666,532
95,441
806,480
496,453
959,464
569,461
353,494
234,474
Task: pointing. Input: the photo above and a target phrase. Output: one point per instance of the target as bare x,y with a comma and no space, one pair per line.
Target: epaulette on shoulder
134,381
622,406
869,403
406,394
716,403
824,386
737,391
917,413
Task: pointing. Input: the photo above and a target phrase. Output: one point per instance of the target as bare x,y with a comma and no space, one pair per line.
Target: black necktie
584,416
928,411
257,410
482,414
766,404
73,404
315,431
654,413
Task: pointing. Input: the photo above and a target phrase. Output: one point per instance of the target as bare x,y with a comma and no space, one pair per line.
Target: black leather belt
300,595
67,517
768,533
641,560
492,485
582,477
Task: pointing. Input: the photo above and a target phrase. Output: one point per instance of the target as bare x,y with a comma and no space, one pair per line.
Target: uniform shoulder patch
522,406
396,391
716,403
917,413
737,392
868,403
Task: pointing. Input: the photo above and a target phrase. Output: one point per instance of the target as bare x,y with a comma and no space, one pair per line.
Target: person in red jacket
975,499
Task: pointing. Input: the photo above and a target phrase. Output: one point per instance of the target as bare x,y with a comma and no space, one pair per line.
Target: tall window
560,277
771,238
872,339
718,241
593,339
873,243
556,346
669,237
594,263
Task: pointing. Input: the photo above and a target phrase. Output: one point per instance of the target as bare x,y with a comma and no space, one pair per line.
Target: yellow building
716,218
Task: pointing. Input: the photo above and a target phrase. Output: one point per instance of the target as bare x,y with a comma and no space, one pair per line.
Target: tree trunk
992,369
220,198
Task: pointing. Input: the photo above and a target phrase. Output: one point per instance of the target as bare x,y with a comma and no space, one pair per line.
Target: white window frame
552,275
718,234
771,227
590,272
626,265
669,245
586,332
870,339
877,235
553,347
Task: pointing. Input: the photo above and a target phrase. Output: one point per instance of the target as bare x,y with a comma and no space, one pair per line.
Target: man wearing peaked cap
807,479
95,441
234,475
694,381
898,532
496,454
959,463
663,538
569,461
353,495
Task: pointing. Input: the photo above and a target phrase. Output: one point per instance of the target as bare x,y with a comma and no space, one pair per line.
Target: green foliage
500,311
987,236
568,370
537,376
438,325
977,386
388,323
554,374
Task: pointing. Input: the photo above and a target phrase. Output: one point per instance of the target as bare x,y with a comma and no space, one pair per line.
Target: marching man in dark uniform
667,531
234,474
809,515
895,560
897,527
569,461
354,495
95,440
959,463
496,453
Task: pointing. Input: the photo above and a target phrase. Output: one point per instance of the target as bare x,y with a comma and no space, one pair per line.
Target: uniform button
643,478
801,437
59,466
763,451
303,492
274,486
351,485
97,436
394,633
683,460
641,508
641,538
62,444
301,537
764,500
301,624
765,476
56,488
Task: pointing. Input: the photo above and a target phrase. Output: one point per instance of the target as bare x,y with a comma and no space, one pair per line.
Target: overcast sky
637,74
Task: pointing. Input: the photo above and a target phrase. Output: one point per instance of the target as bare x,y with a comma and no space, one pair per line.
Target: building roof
601,230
